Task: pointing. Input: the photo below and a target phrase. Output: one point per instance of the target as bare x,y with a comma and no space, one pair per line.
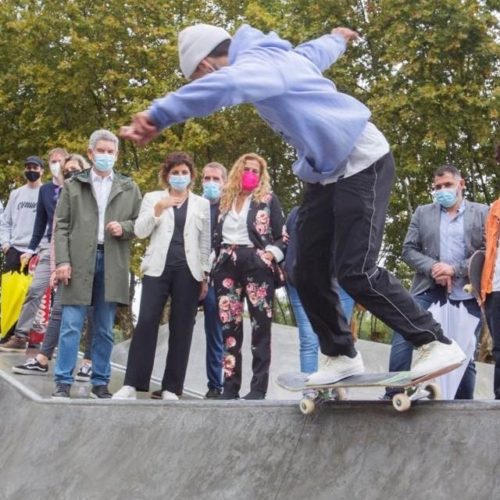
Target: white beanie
196,42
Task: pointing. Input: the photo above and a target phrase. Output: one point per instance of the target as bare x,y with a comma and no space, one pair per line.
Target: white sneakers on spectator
335,368
436,355
130,393
126,392
169,396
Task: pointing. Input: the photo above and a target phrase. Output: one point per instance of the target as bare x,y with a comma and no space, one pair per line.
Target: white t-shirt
234,228
102,189
370,147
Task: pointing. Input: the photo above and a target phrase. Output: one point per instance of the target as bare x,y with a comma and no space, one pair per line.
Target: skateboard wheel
340,394
434,391
401,402
307,406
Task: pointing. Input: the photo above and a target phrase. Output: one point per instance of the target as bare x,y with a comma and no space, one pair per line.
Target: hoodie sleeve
323,51
245,82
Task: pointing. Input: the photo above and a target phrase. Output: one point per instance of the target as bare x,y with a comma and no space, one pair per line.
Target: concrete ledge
87,449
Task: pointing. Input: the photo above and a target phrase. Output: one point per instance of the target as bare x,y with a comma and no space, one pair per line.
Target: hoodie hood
248,38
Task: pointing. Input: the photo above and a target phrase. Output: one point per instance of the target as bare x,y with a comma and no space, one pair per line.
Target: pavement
198,449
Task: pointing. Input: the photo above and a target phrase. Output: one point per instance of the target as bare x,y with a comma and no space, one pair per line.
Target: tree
427,70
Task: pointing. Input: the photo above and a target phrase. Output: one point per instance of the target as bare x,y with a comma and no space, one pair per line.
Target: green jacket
75,237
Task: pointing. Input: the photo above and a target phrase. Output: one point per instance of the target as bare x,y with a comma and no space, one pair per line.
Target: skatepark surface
198,449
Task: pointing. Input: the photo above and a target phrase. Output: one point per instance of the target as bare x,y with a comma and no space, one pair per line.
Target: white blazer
196,234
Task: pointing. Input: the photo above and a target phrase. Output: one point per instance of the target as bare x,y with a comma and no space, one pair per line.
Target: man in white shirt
94,223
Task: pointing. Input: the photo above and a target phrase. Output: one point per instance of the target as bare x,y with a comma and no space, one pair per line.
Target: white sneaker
169,396
126,392
335,368
434,356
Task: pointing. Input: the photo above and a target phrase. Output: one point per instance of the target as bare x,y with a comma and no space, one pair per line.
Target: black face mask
70,174
31,175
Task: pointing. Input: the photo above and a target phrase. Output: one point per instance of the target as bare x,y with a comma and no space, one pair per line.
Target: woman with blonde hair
248,245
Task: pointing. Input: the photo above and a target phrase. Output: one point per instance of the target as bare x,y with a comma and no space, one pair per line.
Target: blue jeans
215,345
308,340
347,303
402,350
72,321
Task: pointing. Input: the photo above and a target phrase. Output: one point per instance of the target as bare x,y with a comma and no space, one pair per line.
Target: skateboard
413,389
475,269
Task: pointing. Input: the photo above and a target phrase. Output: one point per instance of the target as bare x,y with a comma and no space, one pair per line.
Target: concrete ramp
86,449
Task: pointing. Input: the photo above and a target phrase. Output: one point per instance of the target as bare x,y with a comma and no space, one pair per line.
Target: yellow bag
14,288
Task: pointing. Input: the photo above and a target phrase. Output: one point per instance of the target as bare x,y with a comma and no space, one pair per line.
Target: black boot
254,395
227,394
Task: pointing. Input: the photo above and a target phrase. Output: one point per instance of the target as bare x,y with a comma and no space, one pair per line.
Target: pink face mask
249,181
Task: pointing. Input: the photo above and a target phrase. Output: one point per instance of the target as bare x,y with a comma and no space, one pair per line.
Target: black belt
230,245
100,247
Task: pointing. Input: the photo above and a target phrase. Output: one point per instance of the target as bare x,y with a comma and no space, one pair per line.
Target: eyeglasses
32,166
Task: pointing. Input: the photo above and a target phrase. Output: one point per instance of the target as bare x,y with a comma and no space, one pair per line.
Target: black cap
34,160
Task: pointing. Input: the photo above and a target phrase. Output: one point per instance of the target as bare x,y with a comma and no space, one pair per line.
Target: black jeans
350,215
241,273
184,290
492,311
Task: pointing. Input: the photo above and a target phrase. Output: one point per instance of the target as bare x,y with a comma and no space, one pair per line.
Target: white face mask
55,168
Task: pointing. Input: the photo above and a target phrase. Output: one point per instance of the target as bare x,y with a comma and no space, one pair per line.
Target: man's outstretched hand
346,33
142,129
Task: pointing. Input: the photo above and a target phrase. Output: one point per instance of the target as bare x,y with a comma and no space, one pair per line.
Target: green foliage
282,309
428,71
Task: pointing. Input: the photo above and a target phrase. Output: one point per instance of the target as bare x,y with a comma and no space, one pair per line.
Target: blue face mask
211,190
445,197
104,162
179,182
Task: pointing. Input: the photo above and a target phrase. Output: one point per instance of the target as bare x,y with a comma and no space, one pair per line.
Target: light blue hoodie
287,88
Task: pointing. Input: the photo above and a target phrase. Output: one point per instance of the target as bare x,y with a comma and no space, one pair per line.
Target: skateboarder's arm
413,253
323,51
245,82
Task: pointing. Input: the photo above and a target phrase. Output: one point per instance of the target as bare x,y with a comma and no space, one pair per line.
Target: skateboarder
344,160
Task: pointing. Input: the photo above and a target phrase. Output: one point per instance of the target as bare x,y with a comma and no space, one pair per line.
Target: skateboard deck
412,389
475,269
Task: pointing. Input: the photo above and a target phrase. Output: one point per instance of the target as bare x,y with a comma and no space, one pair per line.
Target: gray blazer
421,245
